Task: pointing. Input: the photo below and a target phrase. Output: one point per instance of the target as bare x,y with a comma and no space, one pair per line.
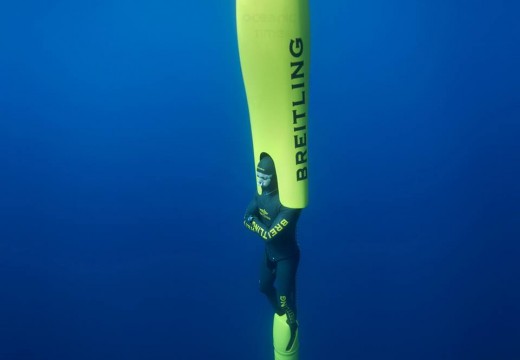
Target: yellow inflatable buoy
274,47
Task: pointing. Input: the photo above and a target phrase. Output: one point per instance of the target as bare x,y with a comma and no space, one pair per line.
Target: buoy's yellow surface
274,46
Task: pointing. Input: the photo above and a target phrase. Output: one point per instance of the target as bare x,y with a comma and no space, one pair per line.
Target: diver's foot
294,327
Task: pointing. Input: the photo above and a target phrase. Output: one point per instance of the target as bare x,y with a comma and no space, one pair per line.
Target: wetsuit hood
266,166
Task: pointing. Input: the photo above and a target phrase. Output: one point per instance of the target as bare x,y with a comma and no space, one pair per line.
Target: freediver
276,225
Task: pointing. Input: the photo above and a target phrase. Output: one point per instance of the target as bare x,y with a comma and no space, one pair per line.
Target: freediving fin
286,342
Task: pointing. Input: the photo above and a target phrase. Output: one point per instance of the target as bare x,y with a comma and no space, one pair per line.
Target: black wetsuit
276,224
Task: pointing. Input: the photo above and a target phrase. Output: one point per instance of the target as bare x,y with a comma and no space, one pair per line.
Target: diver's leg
267,278
286,289
286,285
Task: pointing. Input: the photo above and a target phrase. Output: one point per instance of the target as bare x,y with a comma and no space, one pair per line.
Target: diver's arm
286,219
252,210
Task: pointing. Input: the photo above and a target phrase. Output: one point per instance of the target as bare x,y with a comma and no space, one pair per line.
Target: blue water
126,165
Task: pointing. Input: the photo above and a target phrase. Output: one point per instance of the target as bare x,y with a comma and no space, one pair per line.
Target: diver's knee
265,288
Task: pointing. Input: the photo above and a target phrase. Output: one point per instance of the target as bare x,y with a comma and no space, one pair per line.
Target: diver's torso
284,245
268,207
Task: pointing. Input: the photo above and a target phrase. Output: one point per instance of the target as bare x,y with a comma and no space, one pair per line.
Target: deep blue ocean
127,164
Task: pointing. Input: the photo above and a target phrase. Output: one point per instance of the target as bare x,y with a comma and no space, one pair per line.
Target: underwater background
126,166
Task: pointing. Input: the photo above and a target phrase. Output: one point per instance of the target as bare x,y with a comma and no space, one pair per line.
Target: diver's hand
248,222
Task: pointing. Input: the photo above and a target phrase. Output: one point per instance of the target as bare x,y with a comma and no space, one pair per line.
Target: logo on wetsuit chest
264,214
